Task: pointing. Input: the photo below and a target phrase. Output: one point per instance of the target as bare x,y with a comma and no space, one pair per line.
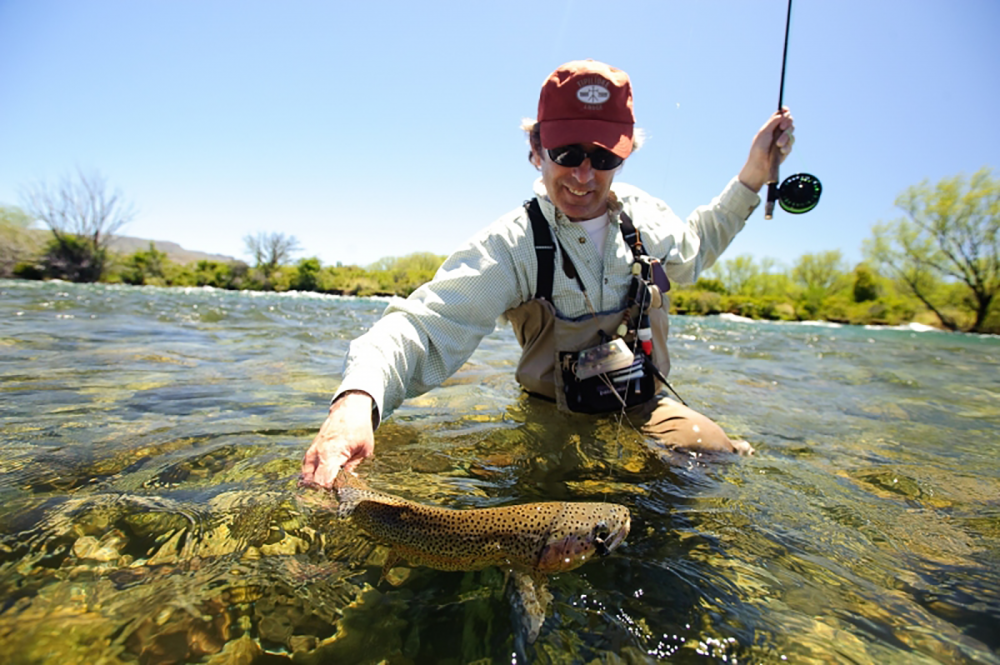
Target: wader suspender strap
631,235
545,252
545,248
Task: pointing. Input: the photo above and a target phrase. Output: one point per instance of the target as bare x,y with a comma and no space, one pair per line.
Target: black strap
546,242
545,250
631,235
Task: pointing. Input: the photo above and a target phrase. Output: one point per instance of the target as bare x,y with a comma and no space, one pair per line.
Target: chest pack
631,381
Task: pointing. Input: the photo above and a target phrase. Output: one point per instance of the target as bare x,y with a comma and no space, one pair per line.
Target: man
581,274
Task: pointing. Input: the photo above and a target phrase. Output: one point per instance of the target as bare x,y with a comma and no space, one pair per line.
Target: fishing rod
799,193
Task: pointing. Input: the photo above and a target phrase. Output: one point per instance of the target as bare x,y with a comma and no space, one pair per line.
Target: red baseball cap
586,101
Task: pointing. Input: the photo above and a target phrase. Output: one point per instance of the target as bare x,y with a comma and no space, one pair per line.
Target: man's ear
536,160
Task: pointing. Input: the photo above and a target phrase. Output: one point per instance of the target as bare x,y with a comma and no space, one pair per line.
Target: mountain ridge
176,253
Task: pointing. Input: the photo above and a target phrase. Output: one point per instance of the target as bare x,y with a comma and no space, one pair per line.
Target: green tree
710,284
865,285
146,267
73,258
736,274
418,261
744,276
221,274
83,216
951,231
818,272
307,275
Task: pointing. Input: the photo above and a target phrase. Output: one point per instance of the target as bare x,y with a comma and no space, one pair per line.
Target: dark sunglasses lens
568,155
604,160
573,155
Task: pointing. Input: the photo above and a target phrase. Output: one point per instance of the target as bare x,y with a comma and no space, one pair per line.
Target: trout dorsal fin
347,478
352,491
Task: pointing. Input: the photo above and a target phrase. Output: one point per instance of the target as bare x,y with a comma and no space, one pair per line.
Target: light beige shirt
421,341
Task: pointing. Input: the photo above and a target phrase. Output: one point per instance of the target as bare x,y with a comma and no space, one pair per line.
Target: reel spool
799,193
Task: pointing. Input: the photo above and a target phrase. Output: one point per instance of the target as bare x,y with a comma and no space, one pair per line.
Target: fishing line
799,193
622,415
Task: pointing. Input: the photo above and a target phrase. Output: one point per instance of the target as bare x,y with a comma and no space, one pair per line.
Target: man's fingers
309,463
329,467
786,140
316,467
325,476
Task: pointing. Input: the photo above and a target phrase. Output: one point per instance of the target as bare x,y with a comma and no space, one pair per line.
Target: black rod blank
772,181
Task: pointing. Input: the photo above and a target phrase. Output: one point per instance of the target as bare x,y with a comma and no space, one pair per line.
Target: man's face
581,192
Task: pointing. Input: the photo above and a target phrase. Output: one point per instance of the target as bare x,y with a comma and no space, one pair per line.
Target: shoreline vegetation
938,265
817,288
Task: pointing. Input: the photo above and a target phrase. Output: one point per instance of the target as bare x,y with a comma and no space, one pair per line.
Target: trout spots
537,537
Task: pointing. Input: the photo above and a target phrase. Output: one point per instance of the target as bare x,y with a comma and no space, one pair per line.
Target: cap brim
615,136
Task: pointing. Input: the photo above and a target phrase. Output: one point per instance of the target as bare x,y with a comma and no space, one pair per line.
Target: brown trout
528,540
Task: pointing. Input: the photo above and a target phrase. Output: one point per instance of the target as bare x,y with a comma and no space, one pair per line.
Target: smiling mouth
577,192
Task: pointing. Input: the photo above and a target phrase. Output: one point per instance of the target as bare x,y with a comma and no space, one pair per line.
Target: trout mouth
601,537
606,540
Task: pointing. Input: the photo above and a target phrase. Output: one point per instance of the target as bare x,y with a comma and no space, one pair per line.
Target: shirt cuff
739,198
376,392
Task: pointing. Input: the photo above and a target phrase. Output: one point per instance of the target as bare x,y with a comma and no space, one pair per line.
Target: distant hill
130,245
176,253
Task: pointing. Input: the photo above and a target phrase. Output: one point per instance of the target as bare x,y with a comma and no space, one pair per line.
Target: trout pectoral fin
390,561
531,600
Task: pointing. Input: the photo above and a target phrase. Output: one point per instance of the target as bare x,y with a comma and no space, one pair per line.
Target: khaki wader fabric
542,334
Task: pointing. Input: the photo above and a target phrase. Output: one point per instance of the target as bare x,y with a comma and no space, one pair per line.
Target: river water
150,511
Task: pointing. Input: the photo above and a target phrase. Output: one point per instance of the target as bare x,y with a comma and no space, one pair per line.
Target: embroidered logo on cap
593,94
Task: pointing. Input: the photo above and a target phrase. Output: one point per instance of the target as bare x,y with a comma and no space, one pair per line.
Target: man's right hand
757,169
344,440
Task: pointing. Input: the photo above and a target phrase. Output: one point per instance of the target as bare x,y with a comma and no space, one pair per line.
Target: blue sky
383,128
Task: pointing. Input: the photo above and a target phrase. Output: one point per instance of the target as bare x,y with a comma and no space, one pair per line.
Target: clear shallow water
150,441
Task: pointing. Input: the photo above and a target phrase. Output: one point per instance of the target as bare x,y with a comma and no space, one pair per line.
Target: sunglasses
601,159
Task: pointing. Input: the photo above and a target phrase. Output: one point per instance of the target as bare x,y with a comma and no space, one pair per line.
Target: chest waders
551,343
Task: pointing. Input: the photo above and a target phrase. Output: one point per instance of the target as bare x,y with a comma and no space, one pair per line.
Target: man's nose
584,172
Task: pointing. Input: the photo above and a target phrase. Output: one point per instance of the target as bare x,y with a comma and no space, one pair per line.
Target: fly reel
799,193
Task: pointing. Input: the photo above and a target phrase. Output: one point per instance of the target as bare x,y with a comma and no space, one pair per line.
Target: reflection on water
149,508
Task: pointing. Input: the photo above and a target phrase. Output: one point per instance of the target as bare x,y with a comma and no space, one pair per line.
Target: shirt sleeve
422,340
688,248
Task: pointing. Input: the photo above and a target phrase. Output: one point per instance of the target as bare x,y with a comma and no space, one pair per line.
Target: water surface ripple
149,510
